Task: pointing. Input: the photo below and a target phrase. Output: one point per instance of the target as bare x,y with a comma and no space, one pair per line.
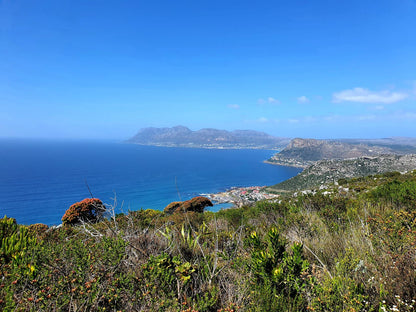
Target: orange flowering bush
88,210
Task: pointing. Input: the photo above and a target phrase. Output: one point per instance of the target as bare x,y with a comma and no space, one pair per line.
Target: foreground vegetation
347,248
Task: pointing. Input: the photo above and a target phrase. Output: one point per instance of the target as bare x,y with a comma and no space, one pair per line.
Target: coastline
294,163
141,177
213,146
240,196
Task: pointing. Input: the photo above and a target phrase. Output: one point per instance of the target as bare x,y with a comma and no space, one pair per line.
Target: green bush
343,291
396,192
15,241
170,284
279,277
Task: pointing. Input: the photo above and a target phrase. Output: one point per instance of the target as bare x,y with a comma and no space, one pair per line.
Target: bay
40,179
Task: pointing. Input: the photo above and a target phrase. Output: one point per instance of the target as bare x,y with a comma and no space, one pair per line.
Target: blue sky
105,69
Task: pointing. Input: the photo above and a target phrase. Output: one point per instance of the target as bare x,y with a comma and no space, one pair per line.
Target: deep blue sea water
40,179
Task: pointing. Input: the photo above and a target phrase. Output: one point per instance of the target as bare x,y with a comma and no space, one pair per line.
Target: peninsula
329,171
181,136
305,152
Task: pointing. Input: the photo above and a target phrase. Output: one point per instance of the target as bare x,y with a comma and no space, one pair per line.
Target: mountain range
181,136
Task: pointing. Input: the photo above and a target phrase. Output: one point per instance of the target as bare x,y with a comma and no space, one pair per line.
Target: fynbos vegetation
347,248
88,210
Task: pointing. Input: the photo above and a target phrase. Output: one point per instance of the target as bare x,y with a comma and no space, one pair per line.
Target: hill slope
331,170
304,152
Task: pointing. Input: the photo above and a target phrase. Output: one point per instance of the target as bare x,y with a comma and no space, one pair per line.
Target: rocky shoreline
288,162
240,196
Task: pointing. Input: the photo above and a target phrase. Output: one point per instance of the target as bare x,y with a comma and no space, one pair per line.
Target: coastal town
240,196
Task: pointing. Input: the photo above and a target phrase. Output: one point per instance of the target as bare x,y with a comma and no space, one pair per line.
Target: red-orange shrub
38,229
196,204
88,210
171,208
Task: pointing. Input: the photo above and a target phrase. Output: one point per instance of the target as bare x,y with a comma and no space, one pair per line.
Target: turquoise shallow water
39,180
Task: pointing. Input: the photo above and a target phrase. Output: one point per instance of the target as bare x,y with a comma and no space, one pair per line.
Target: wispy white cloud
233,106
361,95
365,117
331,118
272,100
269,100
262,120
303,99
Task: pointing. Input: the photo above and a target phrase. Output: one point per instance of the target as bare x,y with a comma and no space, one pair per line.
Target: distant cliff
181,136
304,152
331,170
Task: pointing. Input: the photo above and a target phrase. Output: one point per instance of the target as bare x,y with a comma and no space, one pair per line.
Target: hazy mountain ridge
404,145
181,136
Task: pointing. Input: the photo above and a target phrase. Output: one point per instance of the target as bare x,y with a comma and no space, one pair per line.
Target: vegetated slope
331,170
181,136
349,249
304,152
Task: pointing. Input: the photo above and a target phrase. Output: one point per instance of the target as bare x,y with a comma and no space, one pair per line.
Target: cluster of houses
239,196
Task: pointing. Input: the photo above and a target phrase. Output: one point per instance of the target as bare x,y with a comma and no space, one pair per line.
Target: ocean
40,179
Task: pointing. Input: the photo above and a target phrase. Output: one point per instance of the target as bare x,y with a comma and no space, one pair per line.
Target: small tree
88,210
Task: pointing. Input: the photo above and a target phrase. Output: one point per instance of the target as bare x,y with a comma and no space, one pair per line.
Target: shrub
15,240
172,207
196,204
7,226
342,181
280,277
88,210
393,174
394,239
342,292
38,229
172,282
399,193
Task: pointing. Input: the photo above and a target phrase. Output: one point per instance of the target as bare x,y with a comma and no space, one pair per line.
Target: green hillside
349,249
328,171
